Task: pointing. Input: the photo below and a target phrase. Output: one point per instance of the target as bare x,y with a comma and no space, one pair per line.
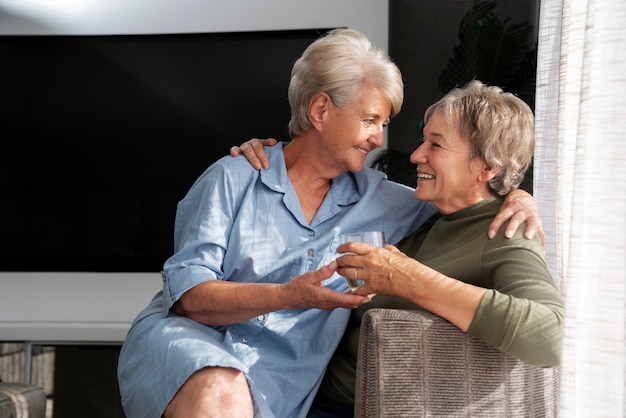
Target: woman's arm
219,302
519,206
521,315
387,271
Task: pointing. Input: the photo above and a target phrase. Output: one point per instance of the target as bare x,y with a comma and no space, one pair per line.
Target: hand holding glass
376,238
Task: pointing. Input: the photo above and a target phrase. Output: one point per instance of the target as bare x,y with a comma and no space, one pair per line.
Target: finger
347,272
257,143
514,224
360,248
354,300
317,276
535,228
332,299
346,261
251,155
235,151
267,142
531,228
392,248
498,221
542,237
330,268
347,247
259,150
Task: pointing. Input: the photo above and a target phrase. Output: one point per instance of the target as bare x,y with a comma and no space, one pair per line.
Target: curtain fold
580,185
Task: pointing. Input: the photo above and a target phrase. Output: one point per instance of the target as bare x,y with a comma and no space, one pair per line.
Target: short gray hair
499,126
340,63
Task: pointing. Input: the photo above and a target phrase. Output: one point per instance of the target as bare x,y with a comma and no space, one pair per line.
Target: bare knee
212,392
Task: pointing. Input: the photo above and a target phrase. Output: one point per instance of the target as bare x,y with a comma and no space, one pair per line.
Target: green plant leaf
489,49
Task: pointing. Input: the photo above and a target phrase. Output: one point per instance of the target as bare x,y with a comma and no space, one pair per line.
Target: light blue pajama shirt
244,225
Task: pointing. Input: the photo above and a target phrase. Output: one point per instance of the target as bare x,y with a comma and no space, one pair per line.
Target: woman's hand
381,269
519,206
254,152
307,291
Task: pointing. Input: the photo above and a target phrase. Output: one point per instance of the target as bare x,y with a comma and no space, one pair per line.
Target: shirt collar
344,190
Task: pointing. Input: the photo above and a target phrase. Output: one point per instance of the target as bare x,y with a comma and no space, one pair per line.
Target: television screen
103,135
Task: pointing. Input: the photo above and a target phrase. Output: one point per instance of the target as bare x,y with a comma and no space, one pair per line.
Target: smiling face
351,132
446,175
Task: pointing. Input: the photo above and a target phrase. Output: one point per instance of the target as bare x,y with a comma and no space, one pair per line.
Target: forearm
449,298
392,273
219,302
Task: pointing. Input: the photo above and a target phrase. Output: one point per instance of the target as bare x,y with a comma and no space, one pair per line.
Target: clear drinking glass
376,238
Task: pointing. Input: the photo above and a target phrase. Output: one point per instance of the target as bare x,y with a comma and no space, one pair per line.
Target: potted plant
490,49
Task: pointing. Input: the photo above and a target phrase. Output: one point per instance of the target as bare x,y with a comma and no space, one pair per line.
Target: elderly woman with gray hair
478,143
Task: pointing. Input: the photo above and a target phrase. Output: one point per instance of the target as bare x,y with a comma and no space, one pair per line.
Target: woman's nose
418,155
378,138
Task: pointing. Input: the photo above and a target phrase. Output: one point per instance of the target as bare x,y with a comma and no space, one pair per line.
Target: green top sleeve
522,313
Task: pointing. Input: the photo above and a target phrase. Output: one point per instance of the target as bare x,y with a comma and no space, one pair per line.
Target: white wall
158,16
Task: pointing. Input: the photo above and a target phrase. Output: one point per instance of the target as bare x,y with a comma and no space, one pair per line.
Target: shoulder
517,242
226,176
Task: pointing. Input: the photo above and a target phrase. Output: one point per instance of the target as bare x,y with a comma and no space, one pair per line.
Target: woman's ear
318,106
487,172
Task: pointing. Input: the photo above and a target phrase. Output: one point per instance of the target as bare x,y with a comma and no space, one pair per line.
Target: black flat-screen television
102,135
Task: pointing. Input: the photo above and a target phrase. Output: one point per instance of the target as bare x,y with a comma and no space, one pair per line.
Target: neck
308,177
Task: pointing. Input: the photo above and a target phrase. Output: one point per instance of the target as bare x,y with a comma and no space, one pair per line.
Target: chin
420,195
355,168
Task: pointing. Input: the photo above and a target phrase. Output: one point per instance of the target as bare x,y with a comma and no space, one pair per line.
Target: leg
212,392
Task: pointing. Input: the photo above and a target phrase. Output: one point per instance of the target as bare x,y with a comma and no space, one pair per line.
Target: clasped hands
384,270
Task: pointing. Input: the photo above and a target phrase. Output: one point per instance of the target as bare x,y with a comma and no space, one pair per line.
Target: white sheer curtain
580,184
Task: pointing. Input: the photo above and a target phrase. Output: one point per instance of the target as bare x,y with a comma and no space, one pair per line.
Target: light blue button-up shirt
243,225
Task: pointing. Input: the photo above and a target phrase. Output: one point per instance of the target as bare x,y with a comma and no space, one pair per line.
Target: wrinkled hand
384,270
254,152
519,206
307,291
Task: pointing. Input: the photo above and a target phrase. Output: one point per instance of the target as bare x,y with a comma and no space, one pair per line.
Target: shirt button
244,340
260,317
311,233
310,253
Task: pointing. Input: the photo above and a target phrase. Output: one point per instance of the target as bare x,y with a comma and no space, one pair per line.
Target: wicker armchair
416,364
22,400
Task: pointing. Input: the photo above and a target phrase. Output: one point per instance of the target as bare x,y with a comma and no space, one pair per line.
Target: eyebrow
435,134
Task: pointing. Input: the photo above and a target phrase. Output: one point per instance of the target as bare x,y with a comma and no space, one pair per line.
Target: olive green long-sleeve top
521,314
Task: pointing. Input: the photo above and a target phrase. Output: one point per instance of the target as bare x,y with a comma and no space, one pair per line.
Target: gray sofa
416,364
21,400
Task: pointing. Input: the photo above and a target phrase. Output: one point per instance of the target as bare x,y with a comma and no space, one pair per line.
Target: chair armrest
22,400
417,364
